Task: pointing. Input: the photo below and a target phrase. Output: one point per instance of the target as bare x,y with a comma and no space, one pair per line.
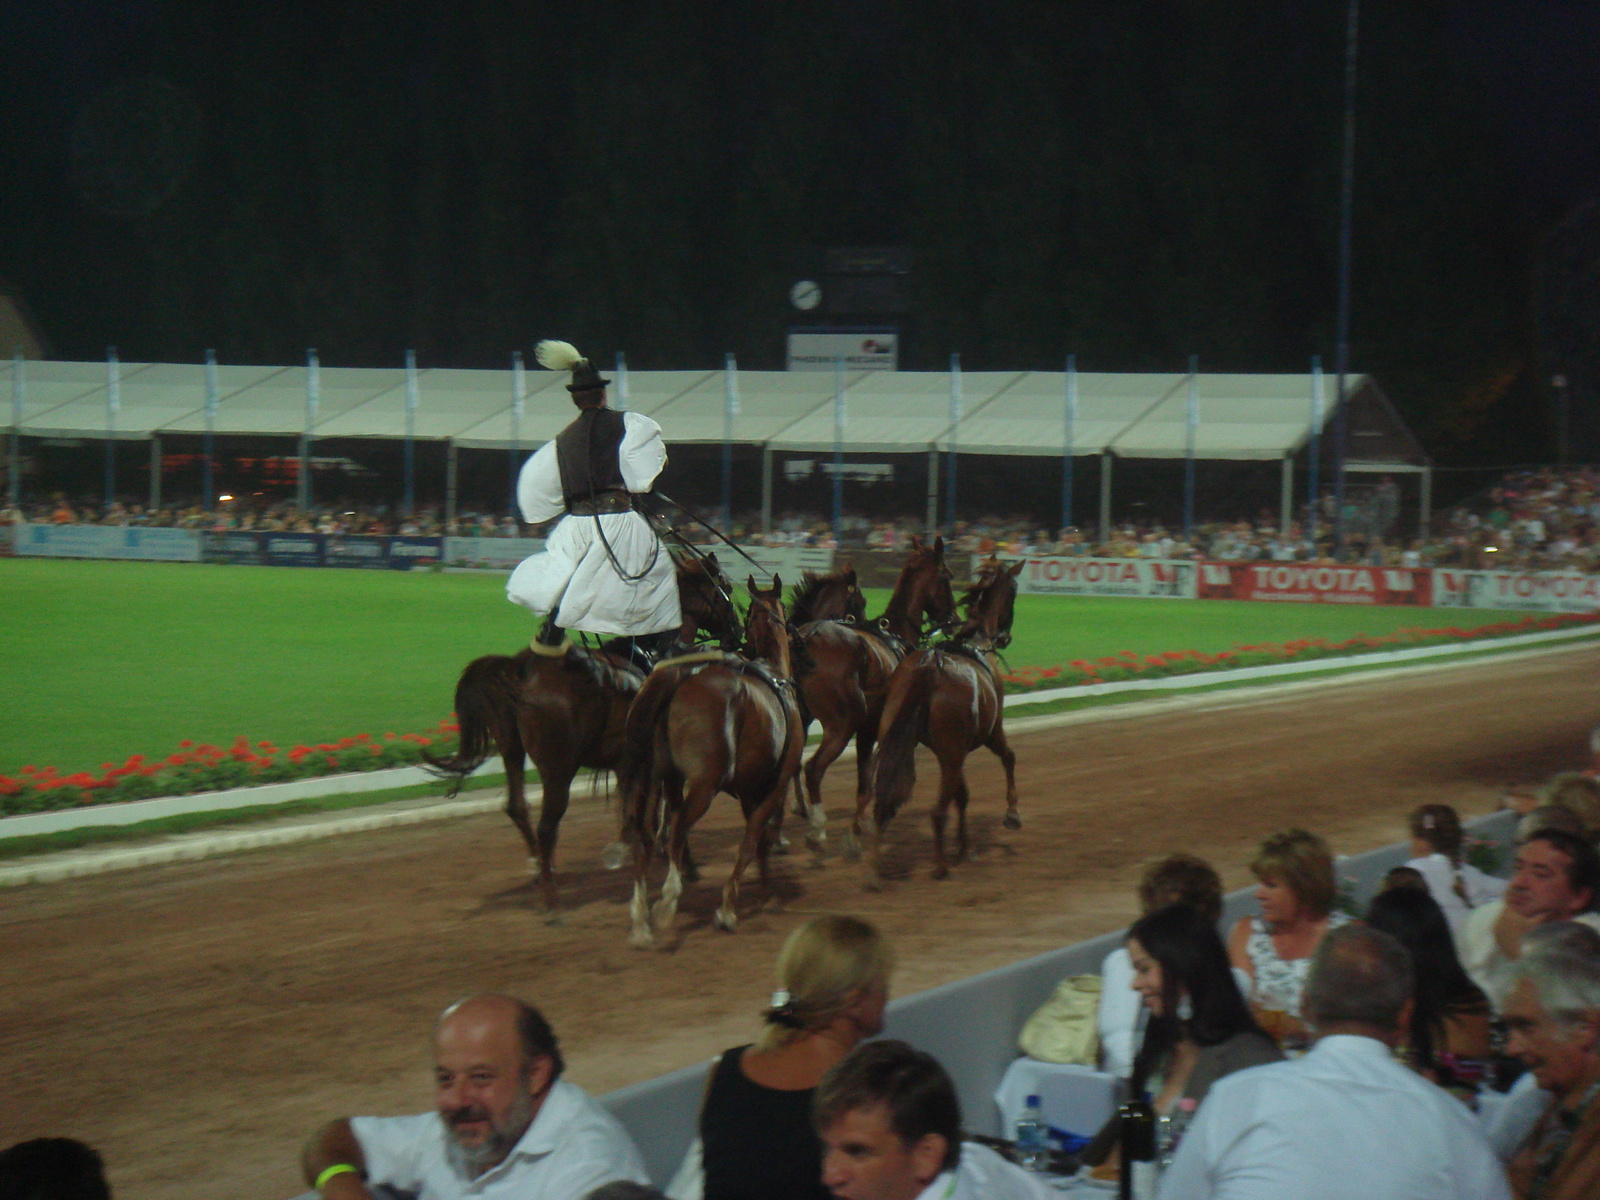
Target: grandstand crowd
1546,519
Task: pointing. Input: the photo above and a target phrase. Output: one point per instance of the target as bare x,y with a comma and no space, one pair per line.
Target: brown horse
701,727
949,699
565,713
844,673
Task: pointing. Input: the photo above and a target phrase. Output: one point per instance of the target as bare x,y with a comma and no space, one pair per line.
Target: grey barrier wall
971,1025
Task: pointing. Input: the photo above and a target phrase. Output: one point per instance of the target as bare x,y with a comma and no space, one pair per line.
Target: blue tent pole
1191,427
410,432
955,452
1068,440
730,409
113,406
1314,451
519,399
838,450
18,390
313,403
207,478
1341,349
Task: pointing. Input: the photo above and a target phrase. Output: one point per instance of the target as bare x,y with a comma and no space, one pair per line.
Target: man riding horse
603,569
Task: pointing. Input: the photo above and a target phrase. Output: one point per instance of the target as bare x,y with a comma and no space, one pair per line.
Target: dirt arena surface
196,1021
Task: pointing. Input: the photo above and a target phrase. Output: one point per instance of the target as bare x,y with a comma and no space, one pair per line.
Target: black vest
586,454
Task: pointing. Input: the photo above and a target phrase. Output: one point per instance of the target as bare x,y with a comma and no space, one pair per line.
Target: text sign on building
861,350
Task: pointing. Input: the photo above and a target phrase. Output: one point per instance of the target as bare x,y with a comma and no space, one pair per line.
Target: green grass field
106,659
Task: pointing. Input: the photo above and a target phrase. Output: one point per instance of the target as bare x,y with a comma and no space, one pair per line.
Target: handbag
1064,1028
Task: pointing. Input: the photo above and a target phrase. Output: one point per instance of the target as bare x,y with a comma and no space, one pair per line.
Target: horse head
835,597
706,595
991,604
766,632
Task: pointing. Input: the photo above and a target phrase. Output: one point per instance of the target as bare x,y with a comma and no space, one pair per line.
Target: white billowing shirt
1441,875
573,1146
1481,956
984,1175
1346,1122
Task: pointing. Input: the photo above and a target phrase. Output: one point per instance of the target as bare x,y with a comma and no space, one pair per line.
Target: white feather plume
557,356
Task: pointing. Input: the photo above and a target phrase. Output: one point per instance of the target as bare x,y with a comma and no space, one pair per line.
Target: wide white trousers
574,577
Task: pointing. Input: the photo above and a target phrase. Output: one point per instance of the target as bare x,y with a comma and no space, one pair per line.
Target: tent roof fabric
1001,412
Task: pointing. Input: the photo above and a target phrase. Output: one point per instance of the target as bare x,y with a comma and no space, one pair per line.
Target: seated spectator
1403,877
507,1123
1550,816
1456,886
755,1124
52,1169
1296,893
1345,1122
891,1130
1557,878
1200,1027
1553,1017
1447,1037
1579,795
1176,879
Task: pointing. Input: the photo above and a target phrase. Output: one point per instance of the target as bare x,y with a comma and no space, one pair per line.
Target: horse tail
636,767
486,709
905,718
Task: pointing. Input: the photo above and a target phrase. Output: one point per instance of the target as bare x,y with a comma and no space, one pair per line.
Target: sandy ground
196,1021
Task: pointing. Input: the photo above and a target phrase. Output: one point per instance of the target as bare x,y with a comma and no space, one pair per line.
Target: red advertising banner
1313,583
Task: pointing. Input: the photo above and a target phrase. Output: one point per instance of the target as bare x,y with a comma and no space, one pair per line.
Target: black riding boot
552,640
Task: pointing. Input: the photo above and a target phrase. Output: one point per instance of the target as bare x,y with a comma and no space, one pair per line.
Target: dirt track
196,1021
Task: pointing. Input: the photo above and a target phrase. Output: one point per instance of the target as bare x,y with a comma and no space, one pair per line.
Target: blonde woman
756,1135
1296,890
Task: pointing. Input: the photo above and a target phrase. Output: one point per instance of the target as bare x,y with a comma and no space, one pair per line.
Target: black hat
563,356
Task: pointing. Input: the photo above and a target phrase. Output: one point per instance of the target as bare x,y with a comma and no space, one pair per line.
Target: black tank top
758,1142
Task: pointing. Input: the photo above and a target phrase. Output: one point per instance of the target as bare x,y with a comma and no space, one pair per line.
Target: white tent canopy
1002,412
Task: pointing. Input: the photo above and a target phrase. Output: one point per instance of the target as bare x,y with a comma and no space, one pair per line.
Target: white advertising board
107,541
863,350
1045,575
787,561
489,552
1532,591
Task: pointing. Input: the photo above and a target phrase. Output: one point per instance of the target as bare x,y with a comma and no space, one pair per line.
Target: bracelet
337,1169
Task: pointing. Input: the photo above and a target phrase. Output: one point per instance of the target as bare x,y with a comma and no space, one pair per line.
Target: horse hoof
871,883
533,866
613,856
556,920
725,920
817,841
641,939
941,872
781,846
1013,820
851,850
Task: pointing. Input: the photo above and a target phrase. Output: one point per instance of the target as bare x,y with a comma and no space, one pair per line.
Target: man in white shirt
1557,878
891,1130
1346,1122
508,1127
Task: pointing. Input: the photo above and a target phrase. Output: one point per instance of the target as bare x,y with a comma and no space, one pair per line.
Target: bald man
507,1124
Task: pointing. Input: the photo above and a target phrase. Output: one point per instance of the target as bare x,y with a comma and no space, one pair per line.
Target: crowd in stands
1440,1043
1548,519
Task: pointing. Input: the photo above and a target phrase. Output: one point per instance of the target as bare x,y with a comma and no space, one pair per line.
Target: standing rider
603,569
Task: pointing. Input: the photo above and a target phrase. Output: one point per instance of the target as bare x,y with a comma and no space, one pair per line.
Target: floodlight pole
1346,215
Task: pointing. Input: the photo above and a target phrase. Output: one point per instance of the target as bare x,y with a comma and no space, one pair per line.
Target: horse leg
952,790
687,808
827,753
557,793
752,844
517,806
641,936
1002,750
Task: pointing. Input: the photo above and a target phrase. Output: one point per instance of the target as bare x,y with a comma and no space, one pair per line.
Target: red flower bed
207,768
1129,665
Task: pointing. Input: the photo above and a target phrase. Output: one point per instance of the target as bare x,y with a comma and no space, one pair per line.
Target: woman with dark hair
1450,1020
1200,1028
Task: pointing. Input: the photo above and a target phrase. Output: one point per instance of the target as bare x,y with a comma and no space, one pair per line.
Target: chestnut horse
843,672
699,726
565,713
949,699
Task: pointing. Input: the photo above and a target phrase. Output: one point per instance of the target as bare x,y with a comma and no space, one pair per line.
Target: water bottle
1033,1138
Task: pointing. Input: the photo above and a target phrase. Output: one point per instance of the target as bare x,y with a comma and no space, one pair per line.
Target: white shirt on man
1346,1122
984,1175
1482,957
573,1146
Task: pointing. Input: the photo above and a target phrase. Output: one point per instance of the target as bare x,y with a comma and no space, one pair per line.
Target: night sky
1132,183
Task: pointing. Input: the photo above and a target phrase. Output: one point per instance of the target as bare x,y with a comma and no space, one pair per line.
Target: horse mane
803,596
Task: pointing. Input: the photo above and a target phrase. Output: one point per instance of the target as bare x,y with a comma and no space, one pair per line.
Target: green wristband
337,1169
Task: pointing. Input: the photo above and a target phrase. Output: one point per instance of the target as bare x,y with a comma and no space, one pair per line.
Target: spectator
1200,1027
52,1169
755,1124
1296,891
1456,886
1557,878
506,1120
1176,879
1553,1015
1346,1122
1447,1038
891,1130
